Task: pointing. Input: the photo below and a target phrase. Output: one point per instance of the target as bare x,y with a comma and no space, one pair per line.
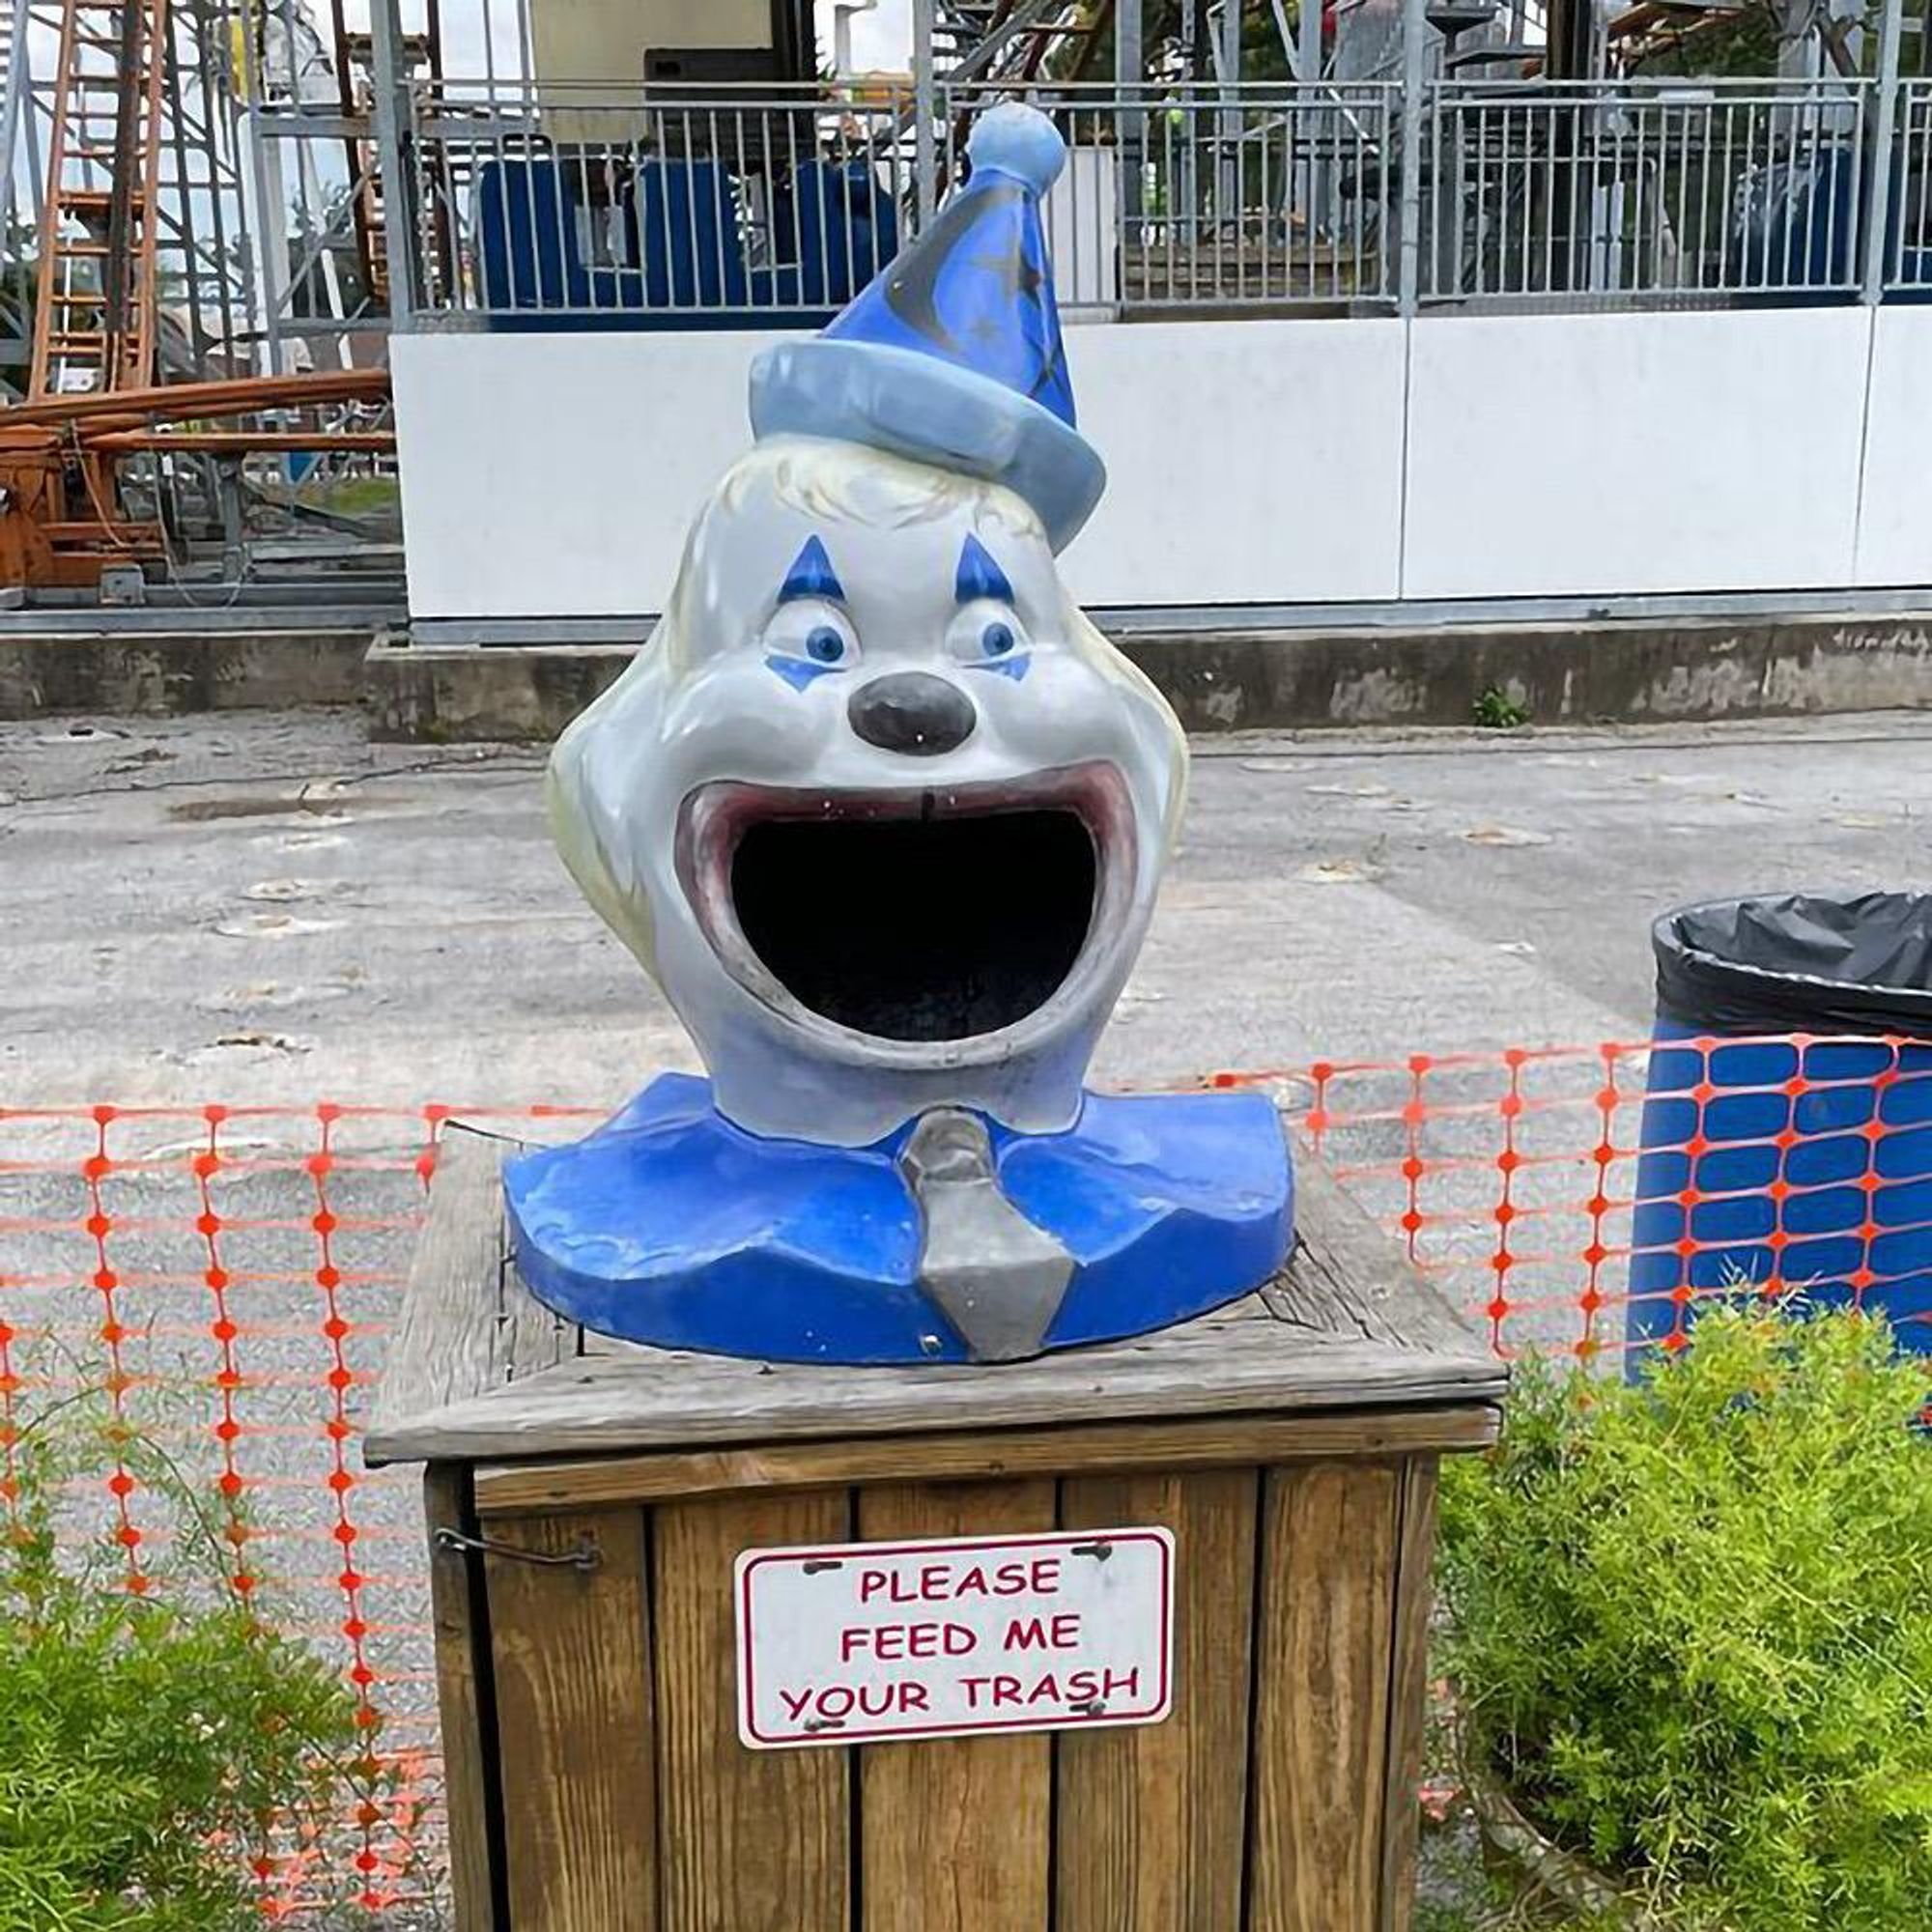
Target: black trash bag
1799,962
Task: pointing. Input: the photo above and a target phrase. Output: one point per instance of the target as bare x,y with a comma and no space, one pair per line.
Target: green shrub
1690,1623
145,1739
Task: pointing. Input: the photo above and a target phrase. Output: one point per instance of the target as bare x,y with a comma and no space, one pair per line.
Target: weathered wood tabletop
480,1372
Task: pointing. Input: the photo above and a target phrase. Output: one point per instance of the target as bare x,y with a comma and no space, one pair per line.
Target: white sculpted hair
867,486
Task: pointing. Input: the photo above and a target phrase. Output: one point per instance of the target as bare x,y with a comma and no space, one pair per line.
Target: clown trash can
1786,1145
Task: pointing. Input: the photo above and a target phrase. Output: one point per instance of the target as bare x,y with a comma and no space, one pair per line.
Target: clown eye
988,633
808,637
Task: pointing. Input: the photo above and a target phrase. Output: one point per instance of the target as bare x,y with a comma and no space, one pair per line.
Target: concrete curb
166,673
1616,671
1619,670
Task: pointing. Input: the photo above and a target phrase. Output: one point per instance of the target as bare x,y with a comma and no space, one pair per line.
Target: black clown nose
912,712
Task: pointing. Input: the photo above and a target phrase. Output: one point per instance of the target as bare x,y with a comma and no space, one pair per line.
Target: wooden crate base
595,1775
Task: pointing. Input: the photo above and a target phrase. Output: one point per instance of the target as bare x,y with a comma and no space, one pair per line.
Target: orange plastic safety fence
228,1278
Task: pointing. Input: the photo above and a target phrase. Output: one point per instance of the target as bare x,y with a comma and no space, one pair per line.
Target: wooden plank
468,1740
612,1351
1350,1279
1408,1697
1217,1442
446,1345
574,1725
1150,1823
587,1406
533,1337
757,1840
530,1337
1328,1557
955,1830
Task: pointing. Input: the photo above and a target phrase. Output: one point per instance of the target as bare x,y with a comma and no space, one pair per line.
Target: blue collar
671,1225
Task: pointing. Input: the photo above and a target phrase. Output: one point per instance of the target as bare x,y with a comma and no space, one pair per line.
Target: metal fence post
1878,202
924,109
1408,273
261,201
395,148
1129,67
17,101
1228,186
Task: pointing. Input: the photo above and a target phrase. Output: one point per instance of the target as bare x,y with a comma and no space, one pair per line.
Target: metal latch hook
586,1556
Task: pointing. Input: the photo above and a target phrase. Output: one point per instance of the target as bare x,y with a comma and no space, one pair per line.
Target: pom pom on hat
1020,141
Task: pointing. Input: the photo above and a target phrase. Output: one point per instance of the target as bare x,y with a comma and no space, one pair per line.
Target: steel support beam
1130,56
1409,262
1880,158
1230,43
1227,182
395,150
924,108
1028,14
1129,71
16,104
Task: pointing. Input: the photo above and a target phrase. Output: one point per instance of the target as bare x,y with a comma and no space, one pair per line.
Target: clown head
878,808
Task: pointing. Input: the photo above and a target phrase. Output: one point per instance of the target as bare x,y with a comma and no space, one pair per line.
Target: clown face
878,808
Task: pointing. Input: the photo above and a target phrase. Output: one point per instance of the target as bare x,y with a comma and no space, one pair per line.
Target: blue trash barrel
1789,1156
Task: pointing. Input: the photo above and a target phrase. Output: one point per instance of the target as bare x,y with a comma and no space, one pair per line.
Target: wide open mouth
917,915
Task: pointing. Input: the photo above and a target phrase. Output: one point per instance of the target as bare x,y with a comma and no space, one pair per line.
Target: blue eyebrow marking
811,576
797,673
979,576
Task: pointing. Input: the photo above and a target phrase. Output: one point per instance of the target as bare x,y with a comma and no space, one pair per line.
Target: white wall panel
554,475
1247,462
1574,454
1250,462
1895,509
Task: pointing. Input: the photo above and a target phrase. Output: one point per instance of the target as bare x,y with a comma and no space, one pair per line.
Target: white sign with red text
858,1641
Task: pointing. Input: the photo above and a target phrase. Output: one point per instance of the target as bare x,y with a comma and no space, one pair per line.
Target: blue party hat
953,356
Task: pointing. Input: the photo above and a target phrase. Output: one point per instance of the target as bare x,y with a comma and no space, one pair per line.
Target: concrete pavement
264,906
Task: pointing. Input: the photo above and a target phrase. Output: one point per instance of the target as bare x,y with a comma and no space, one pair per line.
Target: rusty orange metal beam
178,402
237,442
110,536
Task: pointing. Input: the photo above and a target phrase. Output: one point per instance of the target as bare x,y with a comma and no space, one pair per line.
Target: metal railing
538,202
573,201
1908,244
1266,195
1627,191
